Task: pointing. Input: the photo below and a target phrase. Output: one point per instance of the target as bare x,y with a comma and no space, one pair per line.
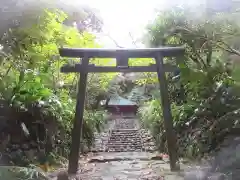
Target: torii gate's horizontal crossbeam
128,53
99,69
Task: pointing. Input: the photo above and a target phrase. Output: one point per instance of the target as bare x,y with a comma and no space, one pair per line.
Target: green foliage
204,94
151,116
21,173
36,91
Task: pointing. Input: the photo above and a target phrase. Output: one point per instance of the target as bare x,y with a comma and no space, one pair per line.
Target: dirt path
126,166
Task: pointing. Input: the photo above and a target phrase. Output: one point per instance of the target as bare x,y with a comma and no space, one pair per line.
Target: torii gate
122,56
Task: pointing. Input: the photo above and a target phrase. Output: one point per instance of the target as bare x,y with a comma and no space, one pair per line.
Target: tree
205,90
37,94
15,12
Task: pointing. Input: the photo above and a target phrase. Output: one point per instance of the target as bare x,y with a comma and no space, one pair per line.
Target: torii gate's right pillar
167,115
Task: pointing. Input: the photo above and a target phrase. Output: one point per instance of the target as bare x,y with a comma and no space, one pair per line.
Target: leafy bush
203,94
41,100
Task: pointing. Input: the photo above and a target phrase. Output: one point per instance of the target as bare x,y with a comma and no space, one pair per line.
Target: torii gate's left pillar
78,120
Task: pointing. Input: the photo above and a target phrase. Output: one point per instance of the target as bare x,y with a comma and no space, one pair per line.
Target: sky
122,17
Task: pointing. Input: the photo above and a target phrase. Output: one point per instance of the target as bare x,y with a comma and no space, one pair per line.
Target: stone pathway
126,166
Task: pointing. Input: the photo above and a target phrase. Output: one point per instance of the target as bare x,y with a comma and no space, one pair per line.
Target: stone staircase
124,140
124,135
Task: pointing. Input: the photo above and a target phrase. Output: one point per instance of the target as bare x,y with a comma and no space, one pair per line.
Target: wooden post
122,60
78,121
167,115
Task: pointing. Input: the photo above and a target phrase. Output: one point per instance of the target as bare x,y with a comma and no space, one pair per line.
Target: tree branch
114,41
133,41
229,48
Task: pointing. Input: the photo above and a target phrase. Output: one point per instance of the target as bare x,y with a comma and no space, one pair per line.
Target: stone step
124,143
125,130
124,150
130,131
124,139
127,126
119,144
125,135
122,134
125,147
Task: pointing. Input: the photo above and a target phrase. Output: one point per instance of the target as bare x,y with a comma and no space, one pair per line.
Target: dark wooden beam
167,115
78,121
122,60
128,53
100,69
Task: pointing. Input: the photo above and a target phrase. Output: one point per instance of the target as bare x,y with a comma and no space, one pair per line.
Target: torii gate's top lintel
127,53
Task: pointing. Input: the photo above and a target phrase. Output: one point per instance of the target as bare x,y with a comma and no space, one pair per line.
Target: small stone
158,157
218,176
25,146
30,154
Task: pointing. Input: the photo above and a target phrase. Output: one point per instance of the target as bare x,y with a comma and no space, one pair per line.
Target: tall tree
21,12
